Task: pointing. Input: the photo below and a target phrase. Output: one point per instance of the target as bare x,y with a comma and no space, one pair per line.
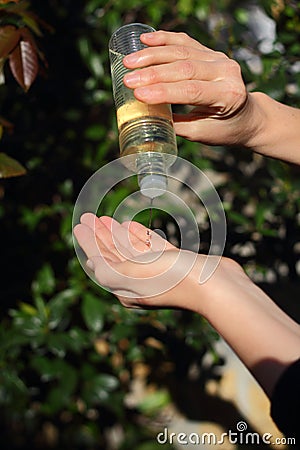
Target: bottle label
133,110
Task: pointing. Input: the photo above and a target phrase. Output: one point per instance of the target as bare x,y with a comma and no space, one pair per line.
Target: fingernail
148,35
131,59
132,79
90,264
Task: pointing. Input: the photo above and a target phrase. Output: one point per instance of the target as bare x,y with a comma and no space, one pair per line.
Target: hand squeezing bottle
146,131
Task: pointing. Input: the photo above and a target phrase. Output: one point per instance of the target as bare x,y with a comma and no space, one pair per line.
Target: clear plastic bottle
145,131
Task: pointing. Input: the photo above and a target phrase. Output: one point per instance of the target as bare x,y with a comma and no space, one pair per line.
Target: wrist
220,289
251,121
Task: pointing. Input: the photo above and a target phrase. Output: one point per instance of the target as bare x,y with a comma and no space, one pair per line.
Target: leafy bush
68,350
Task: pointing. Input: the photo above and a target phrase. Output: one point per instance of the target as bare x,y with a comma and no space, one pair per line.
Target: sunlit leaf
9,167
154,401
185,7
32,22
23,62
92,313
11,378
28,309
9,38
99,387
2,76
45,281
20,6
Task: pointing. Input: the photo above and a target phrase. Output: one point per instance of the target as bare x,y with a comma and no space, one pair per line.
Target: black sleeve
285,402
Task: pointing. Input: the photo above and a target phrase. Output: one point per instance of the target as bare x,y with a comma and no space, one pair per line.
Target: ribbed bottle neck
152,177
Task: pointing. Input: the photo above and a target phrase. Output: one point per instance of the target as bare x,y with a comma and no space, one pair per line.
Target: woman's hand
150,277
177,69
263,336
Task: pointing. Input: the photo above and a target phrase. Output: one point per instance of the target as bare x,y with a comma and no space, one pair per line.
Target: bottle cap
153,185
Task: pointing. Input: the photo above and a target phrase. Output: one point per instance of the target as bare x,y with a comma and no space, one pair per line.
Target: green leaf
92,313
98,388
106,381
237,218
79,339
28,325
44,367
242,15
95,132
58,344
154,401
31,21
28,309
269,232
58,307
45,281
9,167
185,7
12,379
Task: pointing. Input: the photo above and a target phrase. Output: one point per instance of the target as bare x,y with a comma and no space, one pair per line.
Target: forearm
262,335
271,128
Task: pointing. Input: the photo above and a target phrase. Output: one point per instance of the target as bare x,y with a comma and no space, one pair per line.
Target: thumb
112,275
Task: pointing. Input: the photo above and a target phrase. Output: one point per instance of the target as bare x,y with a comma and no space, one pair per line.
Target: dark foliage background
68,350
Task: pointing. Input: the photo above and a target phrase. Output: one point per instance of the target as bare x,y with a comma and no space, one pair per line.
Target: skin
177,69
263,336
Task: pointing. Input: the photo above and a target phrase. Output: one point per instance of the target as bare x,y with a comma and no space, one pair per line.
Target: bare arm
277,132
263,336
177,69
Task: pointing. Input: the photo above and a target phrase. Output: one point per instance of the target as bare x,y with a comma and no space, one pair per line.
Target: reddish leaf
9,167
9,38
5,124
3,2
26,35
23,63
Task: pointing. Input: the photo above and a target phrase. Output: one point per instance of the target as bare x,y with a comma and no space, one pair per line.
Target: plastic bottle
145,131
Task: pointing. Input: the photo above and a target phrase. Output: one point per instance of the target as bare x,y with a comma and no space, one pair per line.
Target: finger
122,235
106,272
94,222
138,236
176,71
112,276
103,236
87,240
221,96
90,220
96,242
162,37
162,55
118,242
116,238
